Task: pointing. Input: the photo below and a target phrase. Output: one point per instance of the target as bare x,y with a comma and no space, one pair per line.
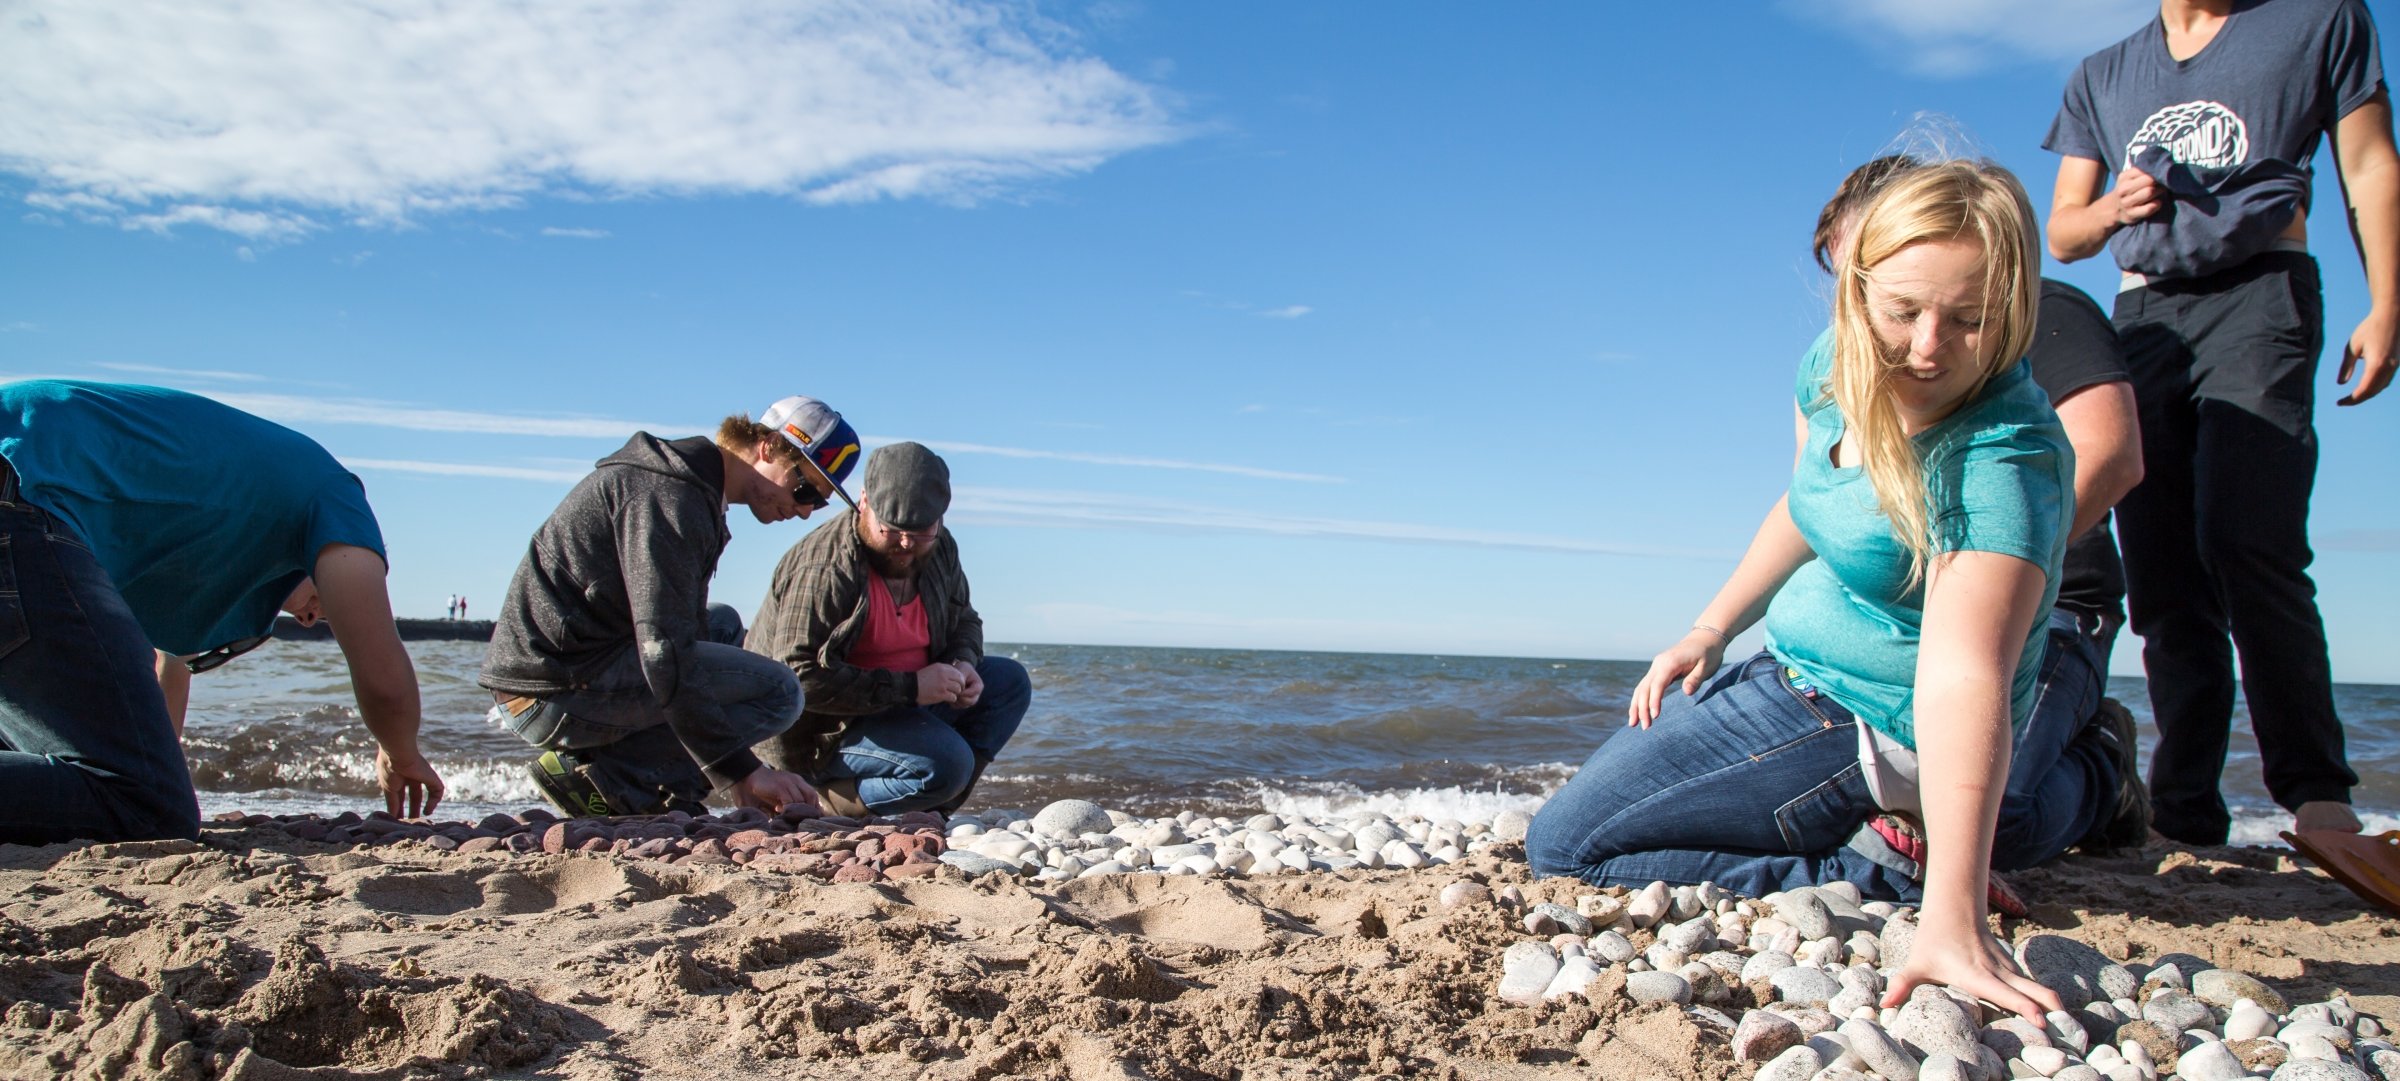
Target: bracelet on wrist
1721,635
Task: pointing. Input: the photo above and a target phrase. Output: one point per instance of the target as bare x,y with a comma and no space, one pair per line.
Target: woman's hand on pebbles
1967,960
1692,660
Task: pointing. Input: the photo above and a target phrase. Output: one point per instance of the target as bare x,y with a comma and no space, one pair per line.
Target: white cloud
19,327
575,234
1963,37
1292,311
260,117
1115,459
187,373
1063,509
317,413
464,469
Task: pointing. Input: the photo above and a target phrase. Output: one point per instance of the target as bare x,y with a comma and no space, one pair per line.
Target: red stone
857,872
748,839
481,844
554,839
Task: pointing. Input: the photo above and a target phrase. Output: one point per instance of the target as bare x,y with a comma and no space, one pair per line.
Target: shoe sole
559,785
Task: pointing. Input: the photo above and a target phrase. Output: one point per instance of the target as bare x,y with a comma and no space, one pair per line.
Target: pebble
2175,1010
2045,1061
1511,825
2077,1072
1564,918
1649,906
1941,1067
1797,1063
1876,1048
1575,976
2314,1069
1658,987
1526,971
1764,964
2248,1020
2223,988
1932,1023
1600,908
2063,1029
2065,966
1613,947
1806,912
1461,894
975,865
1804,985
1764,1034
1073,818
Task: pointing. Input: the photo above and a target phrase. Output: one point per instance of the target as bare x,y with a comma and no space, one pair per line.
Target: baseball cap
822,435
909,485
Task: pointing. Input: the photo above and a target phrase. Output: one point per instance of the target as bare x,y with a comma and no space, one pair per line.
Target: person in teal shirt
1903,579
147,535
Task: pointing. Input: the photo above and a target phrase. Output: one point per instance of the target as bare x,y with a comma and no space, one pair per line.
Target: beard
892,564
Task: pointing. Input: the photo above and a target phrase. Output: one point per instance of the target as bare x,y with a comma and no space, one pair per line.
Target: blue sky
1427,328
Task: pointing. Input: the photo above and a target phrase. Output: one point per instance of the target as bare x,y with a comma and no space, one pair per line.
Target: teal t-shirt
2001,478
204,516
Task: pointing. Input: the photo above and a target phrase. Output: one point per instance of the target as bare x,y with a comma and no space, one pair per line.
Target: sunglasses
217,657
808,496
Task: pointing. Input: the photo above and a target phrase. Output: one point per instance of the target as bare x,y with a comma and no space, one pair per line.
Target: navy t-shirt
204,516
2075,347
2278,75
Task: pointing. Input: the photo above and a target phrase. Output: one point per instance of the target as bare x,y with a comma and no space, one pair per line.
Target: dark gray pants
2216,535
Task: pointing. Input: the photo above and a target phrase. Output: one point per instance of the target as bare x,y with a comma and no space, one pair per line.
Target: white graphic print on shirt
2201,134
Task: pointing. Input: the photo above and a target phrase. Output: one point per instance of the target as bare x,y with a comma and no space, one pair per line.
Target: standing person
2072,744
450,610
147,535
871,610
1904,580
2207,118
606,653
462,606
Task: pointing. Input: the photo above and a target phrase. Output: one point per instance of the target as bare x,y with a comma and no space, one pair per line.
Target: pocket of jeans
13,632
1826,815
538,725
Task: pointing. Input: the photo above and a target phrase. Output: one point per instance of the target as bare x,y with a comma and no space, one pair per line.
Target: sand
255,955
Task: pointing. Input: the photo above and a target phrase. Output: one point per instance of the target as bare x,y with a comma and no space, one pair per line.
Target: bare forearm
392,716
1775,552
2077,233
1962,751
2374,190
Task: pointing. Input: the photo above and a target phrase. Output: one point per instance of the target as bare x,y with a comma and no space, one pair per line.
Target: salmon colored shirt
895,638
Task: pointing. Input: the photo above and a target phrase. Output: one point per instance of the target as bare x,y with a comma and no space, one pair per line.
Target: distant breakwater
411,630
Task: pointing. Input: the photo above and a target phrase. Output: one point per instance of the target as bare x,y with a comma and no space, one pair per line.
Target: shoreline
258,954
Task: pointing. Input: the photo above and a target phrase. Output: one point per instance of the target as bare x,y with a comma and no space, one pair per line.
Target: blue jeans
2060,772
86,749
1750,784
619,729
919,757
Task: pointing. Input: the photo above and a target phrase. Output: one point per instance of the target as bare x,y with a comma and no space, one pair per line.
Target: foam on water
2263,828
1432,804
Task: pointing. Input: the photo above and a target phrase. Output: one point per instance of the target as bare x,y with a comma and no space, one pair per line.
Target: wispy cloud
1293,311
264,117
1963,37
465,469
2360,540
575,234
1063,509
19,327
1116,459
187,373
321,412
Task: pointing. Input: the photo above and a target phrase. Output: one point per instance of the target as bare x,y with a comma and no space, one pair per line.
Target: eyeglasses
808,496
217,657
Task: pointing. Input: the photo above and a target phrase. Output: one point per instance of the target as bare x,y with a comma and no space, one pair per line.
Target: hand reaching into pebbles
1965,958
771,790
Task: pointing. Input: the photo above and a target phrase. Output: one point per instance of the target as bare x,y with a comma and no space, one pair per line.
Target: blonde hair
1971,201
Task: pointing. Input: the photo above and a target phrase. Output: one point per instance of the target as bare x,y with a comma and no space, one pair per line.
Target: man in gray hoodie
606,653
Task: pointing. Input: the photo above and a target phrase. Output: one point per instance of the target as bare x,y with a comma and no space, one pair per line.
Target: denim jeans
86,749
617,726
918,757
2060,773
2216,535
1751,784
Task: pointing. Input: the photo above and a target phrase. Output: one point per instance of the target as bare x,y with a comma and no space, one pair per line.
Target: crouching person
147,535
606,653
871,610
